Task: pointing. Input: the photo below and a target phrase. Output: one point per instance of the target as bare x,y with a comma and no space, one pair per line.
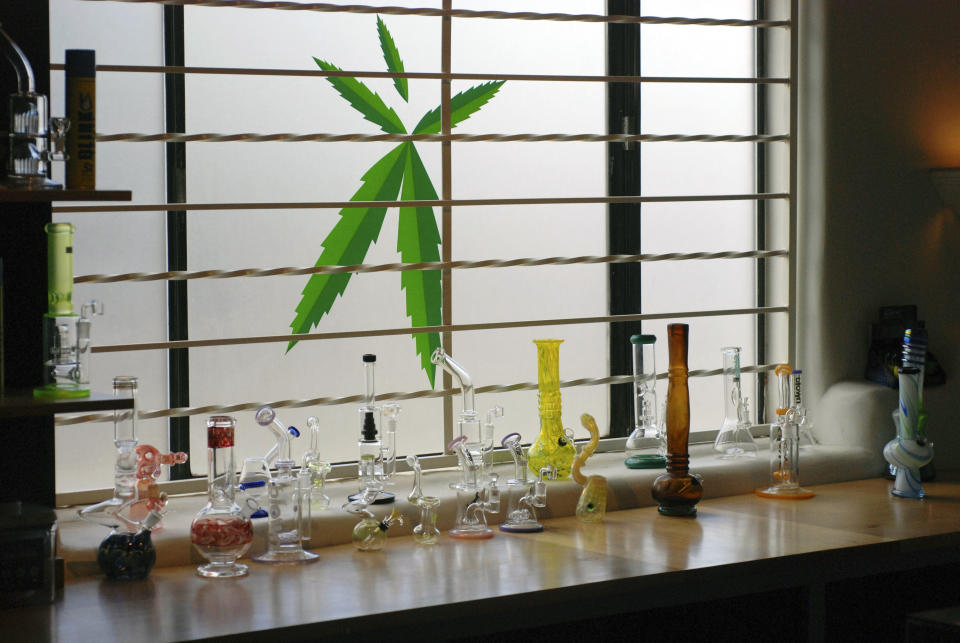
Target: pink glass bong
221,532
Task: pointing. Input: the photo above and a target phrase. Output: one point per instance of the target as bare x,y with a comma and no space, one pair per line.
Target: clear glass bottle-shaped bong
734,439
677,492
221,532
784,447
552,447
647,445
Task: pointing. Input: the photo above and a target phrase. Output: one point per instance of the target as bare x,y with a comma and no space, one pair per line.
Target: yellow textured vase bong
553,447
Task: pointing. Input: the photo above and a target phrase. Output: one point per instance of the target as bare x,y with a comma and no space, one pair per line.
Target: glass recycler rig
524,496
476,496
221,532
289,494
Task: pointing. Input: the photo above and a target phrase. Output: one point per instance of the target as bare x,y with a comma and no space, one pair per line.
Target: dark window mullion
175,109
623,220
761,229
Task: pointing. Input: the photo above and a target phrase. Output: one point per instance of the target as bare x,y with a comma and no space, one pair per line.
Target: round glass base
223,570
292,557
383,498
472,534
916,495
646,461
521,527
679,510
785,493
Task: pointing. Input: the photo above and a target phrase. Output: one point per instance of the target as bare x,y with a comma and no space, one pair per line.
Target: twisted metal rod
462,13
180,275
383,397
285,137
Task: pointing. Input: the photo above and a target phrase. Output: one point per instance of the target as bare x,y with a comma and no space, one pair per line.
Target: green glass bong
66,335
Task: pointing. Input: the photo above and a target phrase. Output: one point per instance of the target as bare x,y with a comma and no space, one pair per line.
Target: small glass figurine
592,505
221,532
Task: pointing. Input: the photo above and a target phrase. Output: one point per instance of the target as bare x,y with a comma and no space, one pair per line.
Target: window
265,205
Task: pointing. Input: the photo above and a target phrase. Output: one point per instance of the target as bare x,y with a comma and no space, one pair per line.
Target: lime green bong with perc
66,335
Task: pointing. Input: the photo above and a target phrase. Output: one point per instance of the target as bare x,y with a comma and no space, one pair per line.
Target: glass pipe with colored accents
784,446
592,505
370,534
910,450
476,496
255,473
149,496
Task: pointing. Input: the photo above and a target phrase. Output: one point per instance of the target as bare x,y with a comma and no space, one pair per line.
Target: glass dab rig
524,496
476,496
66,336
478,440
592,505
370,446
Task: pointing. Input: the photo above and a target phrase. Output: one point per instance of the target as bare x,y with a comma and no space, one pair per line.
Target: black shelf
22,403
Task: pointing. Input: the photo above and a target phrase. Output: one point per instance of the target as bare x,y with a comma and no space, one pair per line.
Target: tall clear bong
734,439
370,447
289,494
646,447
785,447
524,496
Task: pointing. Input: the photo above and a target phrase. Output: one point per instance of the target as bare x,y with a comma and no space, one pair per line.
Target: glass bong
370,534
221,532
784,447
478,440
647,445
317,467
524,496
370,447
910,450
425,533
734,439
255,473
128,552
289,495
32,145
66,336
476,496
552,447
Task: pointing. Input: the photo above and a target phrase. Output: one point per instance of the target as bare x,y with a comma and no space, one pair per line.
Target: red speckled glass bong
220,532
676,491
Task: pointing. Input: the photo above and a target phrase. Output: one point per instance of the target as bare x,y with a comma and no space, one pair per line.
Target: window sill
627,489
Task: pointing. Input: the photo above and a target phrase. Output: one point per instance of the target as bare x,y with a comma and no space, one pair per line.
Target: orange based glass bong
677,492
784,447
553,448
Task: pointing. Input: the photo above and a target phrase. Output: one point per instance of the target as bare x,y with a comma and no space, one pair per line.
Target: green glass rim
646,461
643,339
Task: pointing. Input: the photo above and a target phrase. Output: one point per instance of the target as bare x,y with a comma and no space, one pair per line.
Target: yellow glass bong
553,448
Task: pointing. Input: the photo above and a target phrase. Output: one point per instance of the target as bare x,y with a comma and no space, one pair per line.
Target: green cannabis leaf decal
400,173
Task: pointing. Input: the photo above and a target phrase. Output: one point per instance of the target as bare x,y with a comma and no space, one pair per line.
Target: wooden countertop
735,545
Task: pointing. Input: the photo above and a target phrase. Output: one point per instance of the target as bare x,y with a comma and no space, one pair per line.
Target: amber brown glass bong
676,491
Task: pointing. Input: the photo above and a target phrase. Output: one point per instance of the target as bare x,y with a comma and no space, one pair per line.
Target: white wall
880,104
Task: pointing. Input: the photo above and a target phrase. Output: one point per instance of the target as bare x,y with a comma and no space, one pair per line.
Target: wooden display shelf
46,196
20,403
